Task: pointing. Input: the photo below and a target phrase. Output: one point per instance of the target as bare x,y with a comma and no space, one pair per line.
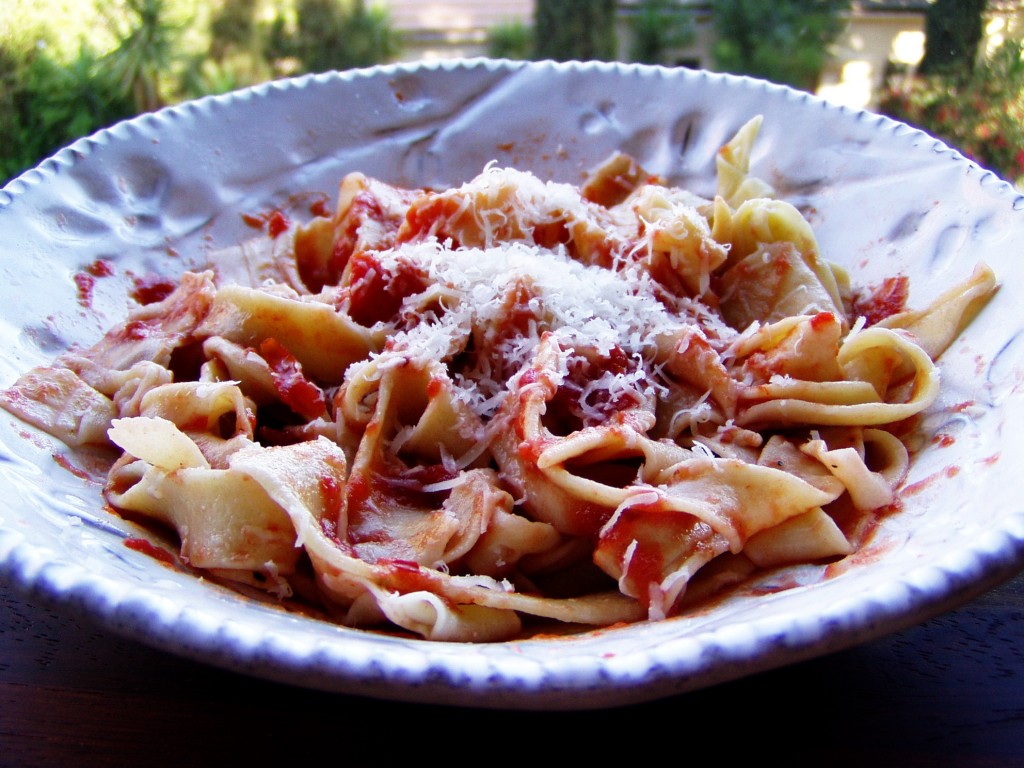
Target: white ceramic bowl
159,192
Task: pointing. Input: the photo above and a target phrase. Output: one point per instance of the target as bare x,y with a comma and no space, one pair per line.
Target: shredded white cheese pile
584,307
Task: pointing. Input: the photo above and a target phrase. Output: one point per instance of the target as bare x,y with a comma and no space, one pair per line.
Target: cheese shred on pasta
457,413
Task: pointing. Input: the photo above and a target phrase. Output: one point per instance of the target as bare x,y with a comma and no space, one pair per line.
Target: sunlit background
952,67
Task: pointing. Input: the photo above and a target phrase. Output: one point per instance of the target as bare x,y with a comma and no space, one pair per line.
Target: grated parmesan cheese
586,308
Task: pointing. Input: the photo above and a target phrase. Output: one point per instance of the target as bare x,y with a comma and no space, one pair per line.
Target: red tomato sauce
295,390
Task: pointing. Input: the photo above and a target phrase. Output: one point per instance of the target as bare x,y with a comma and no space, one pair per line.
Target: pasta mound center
465,413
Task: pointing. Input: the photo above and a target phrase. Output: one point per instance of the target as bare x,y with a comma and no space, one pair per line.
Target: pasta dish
463,413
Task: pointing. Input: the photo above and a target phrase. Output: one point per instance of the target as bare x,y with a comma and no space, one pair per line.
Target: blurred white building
452,28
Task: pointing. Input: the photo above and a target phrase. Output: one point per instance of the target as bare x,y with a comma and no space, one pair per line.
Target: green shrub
137,55
145,51
786,41
334,34
575,29
45,104
510,40
980,113
658,27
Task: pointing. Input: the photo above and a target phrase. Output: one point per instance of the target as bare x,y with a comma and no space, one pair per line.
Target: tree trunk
575,29
953,31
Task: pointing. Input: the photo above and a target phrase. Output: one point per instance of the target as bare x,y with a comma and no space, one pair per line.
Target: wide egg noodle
804,347
259,261
435,618
367,218
57,400
293,476
698,509
687,357
154,332
534,461
212,407
808,537
680,250
227,361
868,395
414,401
735,184
391,510
223,518
323,340
937,326
77,396
772,284
774,268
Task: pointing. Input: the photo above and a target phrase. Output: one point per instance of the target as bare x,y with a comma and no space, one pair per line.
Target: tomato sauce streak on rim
276,222
85,284
152,289
147,547
65,463
883,300
924,483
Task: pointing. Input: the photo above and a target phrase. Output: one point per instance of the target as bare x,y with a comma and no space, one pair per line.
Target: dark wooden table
947,692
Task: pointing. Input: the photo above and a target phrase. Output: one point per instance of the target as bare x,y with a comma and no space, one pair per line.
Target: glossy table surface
947,692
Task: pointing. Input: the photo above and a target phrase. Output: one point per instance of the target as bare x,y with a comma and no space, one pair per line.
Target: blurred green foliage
953,31
510,40
146,48
584,30
786,41
133,56
46,104
658,28
322,35
978,111
566,30
71,67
